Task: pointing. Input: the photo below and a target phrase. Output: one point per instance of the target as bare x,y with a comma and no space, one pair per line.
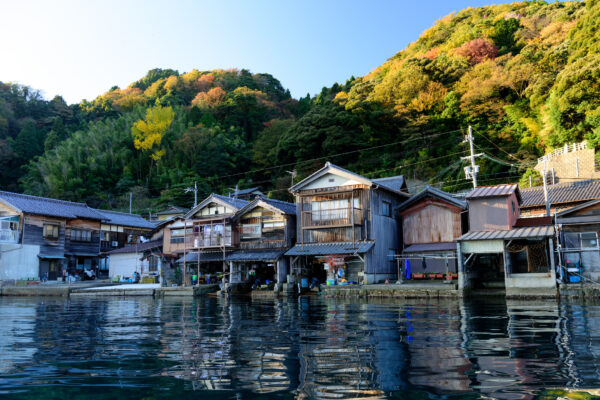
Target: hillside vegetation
526,76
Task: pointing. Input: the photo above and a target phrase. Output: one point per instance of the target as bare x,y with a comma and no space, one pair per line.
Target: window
332,209
51,231
81,235
514,209
153,264
582,240
386,209
177,235
9,229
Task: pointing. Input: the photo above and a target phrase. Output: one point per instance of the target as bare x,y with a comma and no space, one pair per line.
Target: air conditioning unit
114,243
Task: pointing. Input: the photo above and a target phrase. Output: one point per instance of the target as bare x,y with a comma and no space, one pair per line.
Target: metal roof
205,256
421,247
494,191
255,255
323,249
49,207
433,192
126,219
235,204
516,233
567,192
138,248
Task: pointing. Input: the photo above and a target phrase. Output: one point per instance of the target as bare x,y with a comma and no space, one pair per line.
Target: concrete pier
405,290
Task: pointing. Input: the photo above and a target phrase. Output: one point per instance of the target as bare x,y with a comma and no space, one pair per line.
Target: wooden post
184,249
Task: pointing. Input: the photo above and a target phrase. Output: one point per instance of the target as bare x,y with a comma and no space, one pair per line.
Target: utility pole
195,190
547,201
130,201
471,172
293,174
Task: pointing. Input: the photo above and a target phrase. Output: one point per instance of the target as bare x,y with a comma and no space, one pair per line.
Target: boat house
501,250
346,228
432,220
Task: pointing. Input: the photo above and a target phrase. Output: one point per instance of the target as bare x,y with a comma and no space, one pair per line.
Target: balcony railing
193,242
262,244
332,217
9,236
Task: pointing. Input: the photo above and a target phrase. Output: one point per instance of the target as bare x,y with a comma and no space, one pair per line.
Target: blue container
304,283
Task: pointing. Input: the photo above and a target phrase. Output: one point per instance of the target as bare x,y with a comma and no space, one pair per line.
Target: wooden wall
79,247
493,213
432,223
34,234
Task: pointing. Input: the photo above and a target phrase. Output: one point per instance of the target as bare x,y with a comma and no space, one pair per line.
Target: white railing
567,148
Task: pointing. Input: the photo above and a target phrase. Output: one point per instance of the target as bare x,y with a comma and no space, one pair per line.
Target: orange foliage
209,99
205,82
478,50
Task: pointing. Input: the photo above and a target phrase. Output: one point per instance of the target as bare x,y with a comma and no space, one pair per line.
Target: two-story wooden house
39,237
432,220
502,250
120,230
267,229
204,236
346,228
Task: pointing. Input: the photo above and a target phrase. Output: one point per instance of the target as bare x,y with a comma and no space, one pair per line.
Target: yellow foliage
171,82
149,132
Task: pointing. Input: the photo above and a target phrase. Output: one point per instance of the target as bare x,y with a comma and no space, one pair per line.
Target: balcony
9,236
262,244
194,242
332,218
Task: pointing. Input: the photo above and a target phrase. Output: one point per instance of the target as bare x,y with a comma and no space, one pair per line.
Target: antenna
293,174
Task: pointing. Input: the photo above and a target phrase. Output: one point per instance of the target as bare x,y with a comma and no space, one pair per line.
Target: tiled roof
49,207
568,192
237,203
396,183
153,244
516,233
433,192
255,255
125,219
286,207
243,191
493,191
323,249
421,247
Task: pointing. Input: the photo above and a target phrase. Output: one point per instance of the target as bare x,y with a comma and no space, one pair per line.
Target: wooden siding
33,234
385,231
494,213
431,224
76,247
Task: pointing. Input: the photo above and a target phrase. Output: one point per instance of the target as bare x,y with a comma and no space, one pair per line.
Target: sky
80,49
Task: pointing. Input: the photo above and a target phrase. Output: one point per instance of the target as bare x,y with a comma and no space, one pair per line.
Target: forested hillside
526,76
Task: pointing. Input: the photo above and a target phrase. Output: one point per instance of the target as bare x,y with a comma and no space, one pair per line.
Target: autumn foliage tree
477,50
148,133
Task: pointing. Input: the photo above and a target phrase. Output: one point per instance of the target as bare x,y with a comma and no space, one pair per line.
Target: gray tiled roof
568,192
433,192
516,233
237,203
323,249
284,206
493,191
255,255
173,210
396,183
153,244
125,219
243,191
49,207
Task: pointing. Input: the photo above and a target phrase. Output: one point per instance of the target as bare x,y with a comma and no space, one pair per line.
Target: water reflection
301,348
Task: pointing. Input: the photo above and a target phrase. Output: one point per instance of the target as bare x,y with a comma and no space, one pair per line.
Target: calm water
306,348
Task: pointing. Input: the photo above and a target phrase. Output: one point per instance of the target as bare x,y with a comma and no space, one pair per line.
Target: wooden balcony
9,236
332,218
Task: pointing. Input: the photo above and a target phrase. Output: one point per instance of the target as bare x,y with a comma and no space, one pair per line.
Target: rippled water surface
301,348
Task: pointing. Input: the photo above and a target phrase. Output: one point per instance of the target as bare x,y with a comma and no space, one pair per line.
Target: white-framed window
581,240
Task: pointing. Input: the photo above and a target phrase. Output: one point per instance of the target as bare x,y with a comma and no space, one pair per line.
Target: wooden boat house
432,220
267,229
346,228
502,250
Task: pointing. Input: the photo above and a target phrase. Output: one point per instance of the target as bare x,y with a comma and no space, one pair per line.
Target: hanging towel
407,268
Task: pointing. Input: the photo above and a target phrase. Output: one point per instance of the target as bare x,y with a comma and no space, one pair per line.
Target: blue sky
79,49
